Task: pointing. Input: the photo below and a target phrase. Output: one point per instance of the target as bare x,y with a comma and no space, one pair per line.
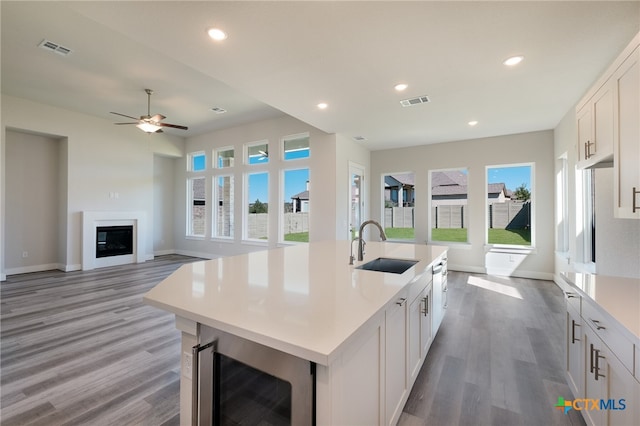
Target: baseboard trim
202,255
34,268
163,252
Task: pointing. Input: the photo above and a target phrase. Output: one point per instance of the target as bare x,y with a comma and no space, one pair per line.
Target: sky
512,177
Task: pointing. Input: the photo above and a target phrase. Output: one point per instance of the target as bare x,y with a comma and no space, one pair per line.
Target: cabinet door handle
425,300
597,368
573,332
401,301
597,324
591,364
570,295
634,194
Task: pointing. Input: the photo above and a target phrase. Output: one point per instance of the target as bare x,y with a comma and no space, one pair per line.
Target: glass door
356,198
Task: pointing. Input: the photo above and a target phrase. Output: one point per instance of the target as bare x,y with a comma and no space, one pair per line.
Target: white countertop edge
628,334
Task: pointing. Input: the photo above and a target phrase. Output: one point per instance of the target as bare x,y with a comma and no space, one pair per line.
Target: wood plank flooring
497,359
81,348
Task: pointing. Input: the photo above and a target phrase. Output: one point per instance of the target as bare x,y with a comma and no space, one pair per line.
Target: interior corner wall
475,155
163,204
109,168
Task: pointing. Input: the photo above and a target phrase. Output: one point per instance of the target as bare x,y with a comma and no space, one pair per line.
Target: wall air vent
415,101
54,47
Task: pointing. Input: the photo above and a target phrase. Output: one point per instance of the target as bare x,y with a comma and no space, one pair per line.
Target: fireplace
114,240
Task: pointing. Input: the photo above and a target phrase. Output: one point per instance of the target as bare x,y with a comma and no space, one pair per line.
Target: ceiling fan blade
158,117
123,115
127,123
159,131
175,126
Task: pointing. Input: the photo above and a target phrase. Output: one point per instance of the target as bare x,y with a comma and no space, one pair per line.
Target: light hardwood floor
81,348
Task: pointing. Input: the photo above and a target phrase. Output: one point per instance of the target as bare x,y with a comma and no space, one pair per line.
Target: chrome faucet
360,238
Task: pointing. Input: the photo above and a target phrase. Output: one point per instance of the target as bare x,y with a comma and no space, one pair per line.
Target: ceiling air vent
359,138
218,110
415,101
54,47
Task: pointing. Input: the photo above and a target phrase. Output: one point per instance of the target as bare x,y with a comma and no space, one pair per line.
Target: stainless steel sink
386,264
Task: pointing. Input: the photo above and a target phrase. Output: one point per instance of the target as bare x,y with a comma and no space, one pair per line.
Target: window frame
215,157
190,205
215,207
282,194
383,207
246,203
293,138
191,156
247,156
431,220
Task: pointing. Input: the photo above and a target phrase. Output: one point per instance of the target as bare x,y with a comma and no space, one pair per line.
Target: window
295,218
509,200
224,158
449,206
223,211
562,205
197,161
196,211
398,189
356,198
257,206
296,147
258,153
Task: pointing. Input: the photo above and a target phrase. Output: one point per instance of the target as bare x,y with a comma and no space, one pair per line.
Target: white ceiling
289,56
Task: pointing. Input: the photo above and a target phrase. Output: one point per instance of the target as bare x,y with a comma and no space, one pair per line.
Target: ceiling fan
148,123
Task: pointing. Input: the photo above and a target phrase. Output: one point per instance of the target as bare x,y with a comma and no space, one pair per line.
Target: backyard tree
258,207
522,193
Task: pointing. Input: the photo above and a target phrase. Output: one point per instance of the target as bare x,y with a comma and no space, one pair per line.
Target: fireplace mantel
92,219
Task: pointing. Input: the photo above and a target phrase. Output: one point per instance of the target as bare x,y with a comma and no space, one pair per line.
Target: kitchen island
307,301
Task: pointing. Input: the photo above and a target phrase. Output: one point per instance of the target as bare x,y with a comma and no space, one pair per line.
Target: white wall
100,159
163,204
475,155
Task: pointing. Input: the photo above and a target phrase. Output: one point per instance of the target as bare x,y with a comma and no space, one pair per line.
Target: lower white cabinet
609,383
575,352
396,384
420,336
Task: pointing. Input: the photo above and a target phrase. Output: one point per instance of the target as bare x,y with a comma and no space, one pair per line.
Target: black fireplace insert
114,240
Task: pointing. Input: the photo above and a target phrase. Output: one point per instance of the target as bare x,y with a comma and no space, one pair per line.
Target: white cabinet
575,352
609,383
439,295
419,331
626,82
396,383
595,124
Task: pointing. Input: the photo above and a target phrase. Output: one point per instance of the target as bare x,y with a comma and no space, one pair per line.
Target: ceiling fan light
148,127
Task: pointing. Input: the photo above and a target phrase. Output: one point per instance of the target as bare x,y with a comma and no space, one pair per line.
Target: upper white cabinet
608,125
595,129
626,81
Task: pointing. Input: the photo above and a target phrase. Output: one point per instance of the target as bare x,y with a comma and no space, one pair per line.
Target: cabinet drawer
419,283
606,328
573,299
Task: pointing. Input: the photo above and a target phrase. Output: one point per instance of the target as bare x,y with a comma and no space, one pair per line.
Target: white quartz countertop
618,297
305,299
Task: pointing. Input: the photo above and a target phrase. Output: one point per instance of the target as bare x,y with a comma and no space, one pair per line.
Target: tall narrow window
223,209
398,214
449,206
509,204
295,219
296,147
356,198
562,205
257,206
196,211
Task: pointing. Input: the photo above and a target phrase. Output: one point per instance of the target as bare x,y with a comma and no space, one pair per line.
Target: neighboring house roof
406,179
453,182
304,195
496,188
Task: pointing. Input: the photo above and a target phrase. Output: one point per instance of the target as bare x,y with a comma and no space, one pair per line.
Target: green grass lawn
510,236
299,237
496,236
398,233
458,235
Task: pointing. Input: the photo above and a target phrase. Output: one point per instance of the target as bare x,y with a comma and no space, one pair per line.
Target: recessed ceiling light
473,123
514,60
217,34
322,105
400,86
